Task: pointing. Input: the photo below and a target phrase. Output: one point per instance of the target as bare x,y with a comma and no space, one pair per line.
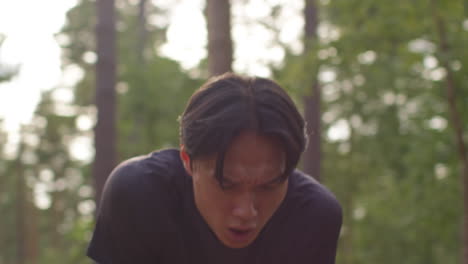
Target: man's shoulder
313,200
140,203
307,223
161,159
161,162
147,173
154,181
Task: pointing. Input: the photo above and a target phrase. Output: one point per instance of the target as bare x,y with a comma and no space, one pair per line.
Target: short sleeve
118,235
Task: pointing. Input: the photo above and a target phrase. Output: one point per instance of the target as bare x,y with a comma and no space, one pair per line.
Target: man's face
252,188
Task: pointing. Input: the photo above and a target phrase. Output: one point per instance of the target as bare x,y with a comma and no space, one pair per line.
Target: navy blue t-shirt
148,215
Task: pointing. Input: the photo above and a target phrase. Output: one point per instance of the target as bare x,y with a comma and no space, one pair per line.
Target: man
230,195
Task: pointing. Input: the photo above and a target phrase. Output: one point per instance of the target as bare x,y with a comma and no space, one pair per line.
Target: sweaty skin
252,191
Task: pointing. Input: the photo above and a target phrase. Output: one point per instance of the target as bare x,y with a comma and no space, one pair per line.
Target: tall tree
142,31
16,197
105,130
26,230
218,17
136,135
444,55
312,156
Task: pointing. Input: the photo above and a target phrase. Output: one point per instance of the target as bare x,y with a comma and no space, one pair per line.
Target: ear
185,158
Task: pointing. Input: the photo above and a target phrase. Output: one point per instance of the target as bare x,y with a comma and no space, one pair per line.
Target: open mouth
240,232
240,236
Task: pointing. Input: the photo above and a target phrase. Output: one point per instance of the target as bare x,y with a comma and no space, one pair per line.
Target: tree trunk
56,213
349,196
26,230
105,132
20,214
218,18
311,159
142,32
136,135
456,122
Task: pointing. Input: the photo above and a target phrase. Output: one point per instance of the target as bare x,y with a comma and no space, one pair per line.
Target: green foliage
149,109
152,91
395,170
393,165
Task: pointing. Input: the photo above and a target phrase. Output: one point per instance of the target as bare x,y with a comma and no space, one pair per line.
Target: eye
269,187
226,185
272,185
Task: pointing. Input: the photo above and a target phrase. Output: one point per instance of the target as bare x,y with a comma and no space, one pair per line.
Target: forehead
254,157
253,139
250,158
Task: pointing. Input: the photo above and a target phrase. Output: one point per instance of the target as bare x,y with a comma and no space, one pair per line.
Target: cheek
207,196
268,202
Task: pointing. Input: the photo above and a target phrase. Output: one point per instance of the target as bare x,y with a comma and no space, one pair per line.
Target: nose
245,207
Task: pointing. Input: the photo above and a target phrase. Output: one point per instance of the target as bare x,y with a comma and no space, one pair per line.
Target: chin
236,245
238,241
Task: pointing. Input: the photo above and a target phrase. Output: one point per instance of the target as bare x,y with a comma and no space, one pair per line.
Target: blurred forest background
383,86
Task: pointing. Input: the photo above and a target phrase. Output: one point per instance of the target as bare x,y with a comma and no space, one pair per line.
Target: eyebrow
277,179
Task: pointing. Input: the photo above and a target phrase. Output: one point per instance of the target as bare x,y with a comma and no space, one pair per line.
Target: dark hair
228,104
